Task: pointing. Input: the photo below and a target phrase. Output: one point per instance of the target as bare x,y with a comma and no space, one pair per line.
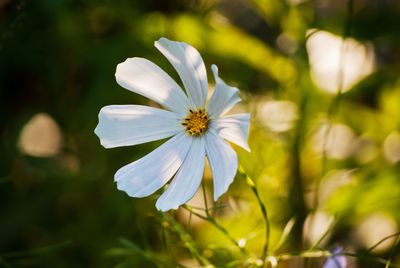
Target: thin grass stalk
263,209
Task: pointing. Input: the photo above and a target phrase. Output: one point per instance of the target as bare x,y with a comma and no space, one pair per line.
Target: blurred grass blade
285,233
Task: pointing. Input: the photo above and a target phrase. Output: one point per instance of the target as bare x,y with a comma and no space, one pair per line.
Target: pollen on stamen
196,122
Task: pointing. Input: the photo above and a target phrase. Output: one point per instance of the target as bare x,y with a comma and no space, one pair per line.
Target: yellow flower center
196,122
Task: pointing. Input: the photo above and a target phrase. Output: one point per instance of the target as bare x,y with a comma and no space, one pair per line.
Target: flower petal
187,180
147,79
223,98
148,174
190,67
234,128
123,125
223,162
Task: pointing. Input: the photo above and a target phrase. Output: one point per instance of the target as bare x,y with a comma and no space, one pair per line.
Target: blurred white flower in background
376,227
338,141
316,225
367,149
40,137
198,129
324,52
332,181
278,116
391,147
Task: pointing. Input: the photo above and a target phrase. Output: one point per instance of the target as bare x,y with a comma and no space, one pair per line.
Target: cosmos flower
199,128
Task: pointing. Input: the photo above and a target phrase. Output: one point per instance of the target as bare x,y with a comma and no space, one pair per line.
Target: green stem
296,191
382,240
389,261
217,225
334,105
205,199
186,239
327,232
264,212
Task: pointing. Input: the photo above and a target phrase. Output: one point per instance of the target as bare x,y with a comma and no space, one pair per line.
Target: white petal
234,128
123,125
187,180
147,79
190,67
223,98
148,174
223,162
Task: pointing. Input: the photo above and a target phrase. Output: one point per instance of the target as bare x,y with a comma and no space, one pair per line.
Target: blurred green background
327,164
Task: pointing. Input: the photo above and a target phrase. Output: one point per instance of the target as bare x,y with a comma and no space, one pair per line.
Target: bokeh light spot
40,137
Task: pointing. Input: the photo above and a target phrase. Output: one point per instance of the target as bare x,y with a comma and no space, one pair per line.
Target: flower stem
217,225
186,239
389,260
205,199
264,212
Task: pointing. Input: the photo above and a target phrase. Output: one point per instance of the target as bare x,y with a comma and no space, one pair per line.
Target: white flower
197,129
